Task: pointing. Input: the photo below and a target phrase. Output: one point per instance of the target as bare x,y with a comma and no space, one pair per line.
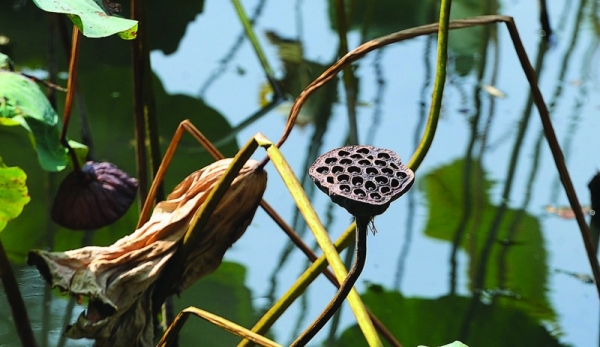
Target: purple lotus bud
94,197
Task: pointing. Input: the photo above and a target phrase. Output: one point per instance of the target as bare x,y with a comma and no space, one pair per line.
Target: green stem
313,222
254,41
227,325
278,95
438,88
146,124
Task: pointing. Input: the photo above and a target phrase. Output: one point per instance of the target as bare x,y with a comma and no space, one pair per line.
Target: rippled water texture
483,248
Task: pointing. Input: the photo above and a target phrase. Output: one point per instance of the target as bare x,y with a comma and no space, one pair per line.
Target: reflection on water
470,254
46,310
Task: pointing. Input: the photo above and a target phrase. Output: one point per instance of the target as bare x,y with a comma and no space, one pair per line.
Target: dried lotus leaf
119,279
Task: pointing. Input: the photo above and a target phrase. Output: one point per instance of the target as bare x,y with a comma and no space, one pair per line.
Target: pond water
535,287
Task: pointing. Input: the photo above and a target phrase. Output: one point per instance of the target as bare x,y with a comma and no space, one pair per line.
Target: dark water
471,253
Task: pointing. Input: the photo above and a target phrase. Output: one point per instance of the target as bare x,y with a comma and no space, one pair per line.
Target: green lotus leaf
517,264
23,103
418,321
92,18
109,98
13,193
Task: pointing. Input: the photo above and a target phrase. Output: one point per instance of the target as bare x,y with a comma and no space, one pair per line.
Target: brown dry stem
529,72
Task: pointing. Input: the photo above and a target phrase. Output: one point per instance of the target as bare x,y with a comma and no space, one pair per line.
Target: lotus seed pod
362,179
94,197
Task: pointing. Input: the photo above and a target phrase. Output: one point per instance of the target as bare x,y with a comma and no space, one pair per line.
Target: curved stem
438,87
359,262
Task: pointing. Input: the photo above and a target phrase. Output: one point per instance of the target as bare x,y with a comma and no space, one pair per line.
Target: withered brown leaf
119,279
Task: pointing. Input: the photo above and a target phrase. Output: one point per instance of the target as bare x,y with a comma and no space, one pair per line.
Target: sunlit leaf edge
91,18
13,193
